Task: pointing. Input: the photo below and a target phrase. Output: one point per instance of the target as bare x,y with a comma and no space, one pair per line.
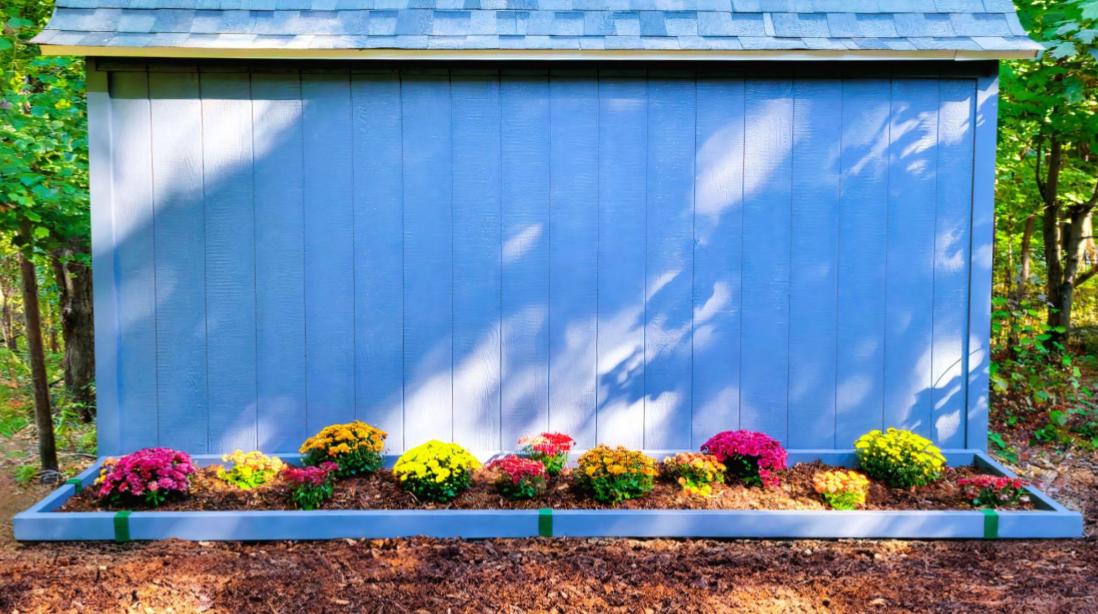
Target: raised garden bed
375,507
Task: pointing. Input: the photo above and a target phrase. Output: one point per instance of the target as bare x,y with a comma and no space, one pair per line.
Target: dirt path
568,575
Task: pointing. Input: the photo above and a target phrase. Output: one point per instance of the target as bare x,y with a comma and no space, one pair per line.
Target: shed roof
703,29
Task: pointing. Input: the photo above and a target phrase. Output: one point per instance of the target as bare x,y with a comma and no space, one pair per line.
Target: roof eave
249,53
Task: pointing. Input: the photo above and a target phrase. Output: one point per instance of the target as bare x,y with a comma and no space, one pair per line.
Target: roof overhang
532,54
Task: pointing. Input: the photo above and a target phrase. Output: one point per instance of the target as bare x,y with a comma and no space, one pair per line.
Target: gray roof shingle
987,26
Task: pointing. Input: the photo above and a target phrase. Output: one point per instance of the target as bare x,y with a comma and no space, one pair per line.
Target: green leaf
1090,10
1061,49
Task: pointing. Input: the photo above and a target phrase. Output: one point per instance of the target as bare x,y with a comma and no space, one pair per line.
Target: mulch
382,491
553,575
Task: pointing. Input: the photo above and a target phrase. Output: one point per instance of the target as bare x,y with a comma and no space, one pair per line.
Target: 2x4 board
1050,520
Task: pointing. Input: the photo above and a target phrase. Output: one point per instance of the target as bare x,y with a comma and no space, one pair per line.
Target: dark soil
382,491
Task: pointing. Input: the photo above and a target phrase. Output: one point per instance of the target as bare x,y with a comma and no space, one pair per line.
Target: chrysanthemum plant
249,469
612,475
436,471
841,489
748,456
355,447
549,449
311,486
994,490
151,475
516,477
899,458
695,472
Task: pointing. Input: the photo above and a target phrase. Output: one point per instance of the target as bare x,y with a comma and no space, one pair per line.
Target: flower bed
739,484
375,506
381,490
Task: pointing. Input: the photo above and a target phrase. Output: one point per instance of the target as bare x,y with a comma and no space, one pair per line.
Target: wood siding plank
718,236
524,101
428,278
863,237
817,189
669,239
978,350
573,253
180,266
951,243
379,268
105,288
909,287
621,258
766,244
477,260
278,142
134,261
329,249
230,260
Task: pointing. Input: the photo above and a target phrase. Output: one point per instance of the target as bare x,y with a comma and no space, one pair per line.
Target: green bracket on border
545,522
991,524
77,483
122,526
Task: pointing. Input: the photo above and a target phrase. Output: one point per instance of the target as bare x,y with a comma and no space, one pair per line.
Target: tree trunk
1018,294
1024,258
51,337
11,341
47,448
77,329
1051,233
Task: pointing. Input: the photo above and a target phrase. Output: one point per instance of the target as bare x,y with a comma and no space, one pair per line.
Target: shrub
842,490
696,473
899,458
516,477
612,475
311,486
152,475
549,449
355,446
751,457
993,491
436,471
250,469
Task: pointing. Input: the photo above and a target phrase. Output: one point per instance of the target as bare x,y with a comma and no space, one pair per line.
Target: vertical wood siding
632,256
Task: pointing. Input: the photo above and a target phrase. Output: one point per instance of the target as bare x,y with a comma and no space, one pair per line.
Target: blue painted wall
633,255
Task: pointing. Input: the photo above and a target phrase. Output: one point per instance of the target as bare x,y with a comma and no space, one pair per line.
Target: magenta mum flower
155,473
748,455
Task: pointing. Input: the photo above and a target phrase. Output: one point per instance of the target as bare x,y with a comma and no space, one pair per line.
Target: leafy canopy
43,143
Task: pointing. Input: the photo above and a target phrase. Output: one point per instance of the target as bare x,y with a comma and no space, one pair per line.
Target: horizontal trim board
39,523
926,68
531,54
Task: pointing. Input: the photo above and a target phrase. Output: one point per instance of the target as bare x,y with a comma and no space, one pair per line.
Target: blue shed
636,221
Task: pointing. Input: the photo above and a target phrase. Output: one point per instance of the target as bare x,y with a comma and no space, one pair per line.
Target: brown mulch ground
382,491
572,575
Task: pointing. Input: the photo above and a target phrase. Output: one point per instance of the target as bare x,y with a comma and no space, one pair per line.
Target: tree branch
1083,277
1093,200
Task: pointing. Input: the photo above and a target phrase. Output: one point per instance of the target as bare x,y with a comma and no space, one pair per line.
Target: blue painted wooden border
1051,520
